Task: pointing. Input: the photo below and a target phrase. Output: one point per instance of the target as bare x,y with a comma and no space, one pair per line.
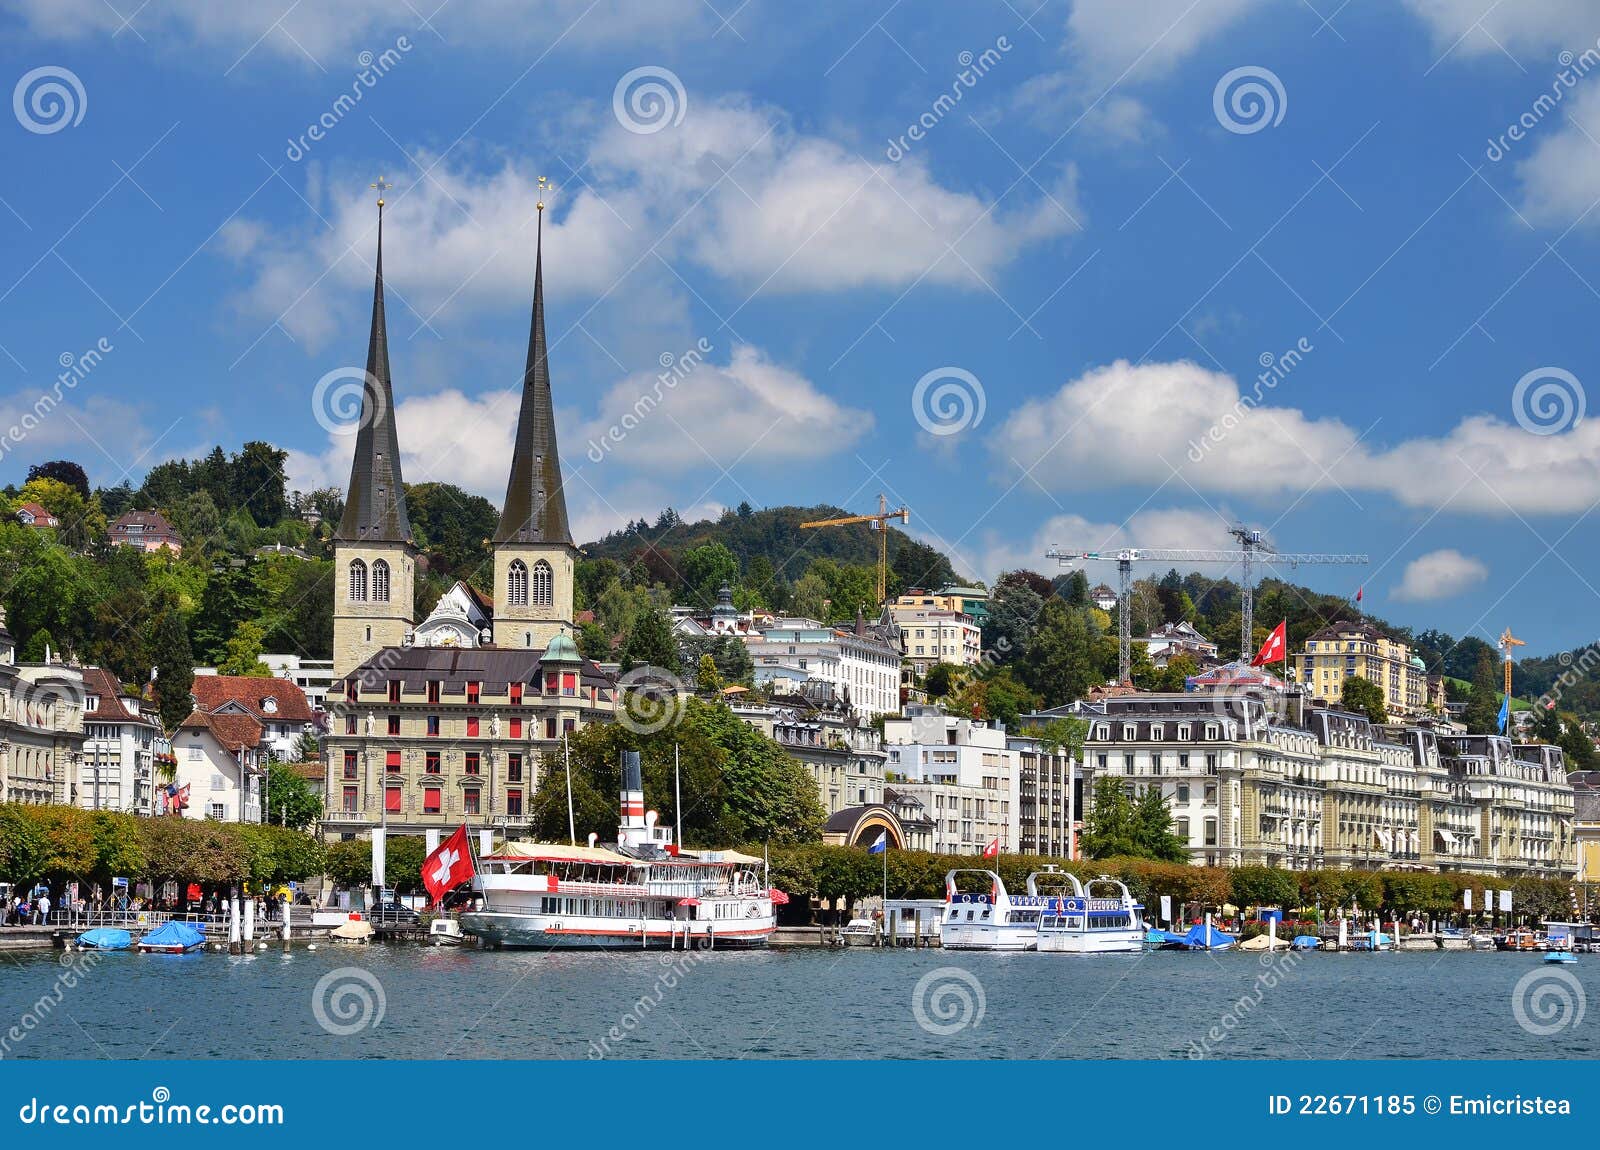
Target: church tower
533,551
373,557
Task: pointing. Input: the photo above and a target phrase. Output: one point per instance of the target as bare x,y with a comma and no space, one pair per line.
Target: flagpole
572,824
677,794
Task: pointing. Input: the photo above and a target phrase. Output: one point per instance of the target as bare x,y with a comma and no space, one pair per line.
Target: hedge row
59,844
850,874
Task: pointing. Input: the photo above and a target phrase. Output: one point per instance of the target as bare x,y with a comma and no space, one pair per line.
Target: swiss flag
1272,651
993,849
449,866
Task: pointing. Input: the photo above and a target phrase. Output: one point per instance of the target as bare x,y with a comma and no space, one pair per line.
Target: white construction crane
1254,551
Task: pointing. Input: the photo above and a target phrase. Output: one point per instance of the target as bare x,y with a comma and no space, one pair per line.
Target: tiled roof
103,685
212,691
313,772
232,731
36,511
1342,628
153,522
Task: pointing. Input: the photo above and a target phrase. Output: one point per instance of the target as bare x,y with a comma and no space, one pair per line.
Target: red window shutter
392,760
552,682
391,799
569,682
472,726
516,728
516,694
430,800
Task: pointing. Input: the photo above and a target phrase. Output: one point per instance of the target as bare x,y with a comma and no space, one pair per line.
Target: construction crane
880,524
1254,551
1508,641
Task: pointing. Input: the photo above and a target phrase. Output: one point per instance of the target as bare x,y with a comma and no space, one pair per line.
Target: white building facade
862,667
117,770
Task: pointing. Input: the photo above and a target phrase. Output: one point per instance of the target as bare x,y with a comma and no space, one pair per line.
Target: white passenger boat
987,920
639,892
1075,921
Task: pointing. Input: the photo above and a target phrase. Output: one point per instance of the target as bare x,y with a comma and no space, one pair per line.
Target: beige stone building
41,728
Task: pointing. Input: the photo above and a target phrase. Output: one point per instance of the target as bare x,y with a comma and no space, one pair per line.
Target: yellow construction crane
1508,641
880,524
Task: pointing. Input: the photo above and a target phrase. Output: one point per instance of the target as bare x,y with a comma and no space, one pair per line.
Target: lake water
414,1002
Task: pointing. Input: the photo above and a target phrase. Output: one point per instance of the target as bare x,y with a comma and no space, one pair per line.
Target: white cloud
1559,172
733,190
752,411
1470,28
1173,527
1138,424
323,30
107,436
1439,575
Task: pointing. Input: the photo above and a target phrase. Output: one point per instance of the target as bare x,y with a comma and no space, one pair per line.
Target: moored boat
638,892
1077,922
173,937
988,921
105,938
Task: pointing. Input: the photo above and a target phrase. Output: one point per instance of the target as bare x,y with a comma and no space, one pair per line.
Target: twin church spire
534,550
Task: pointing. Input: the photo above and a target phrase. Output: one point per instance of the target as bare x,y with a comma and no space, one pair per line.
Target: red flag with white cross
1272,651
449,866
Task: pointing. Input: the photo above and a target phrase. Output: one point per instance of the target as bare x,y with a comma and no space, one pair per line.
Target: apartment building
117,771
858,663
930,635
1268,779
1340,650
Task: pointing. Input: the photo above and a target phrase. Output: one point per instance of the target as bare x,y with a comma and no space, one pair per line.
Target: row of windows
432,764
432,801
432,727
563,683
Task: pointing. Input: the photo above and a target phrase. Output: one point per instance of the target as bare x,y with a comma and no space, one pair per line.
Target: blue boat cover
1196,938
106,938
174,933
1306,942
1157,937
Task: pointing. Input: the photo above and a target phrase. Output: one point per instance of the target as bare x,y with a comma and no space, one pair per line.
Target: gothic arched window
517,584
358,581
543,585
380,581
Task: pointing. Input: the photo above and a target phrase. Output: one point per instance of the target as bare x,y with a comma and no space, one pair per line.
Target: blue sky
1128,212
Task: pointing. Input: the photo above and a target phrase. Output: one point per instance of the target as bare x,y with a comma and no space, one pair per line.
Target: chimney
631,829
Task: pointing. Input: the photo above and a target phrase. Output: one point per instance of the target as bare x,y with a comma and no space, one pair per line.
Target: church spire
375,501
535,509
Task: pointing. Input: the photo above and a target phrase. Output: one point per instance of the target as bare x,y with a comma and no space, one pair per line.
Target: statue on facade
371,719
494,725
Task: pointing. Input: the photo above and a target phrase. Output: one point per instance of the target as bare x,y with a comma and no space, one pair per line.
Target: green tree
1482,715
241,653
707,679
1362,696
593,642
650,641
706,569
1110,830
256,482
291,799
63,471
941,679
1152,820
1057,661
1014,610
173,664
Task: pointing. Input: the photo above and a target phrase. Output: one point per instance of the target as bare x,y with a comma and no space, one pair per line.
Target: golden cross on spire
544,184
382,187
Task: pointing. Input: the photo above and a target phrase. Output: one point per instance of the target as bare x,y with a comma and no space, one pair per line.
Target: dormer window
269,705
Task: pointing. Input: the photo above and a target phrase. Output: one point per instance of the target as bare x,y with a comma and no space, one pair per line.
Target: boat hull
1086,942
987,936
546,932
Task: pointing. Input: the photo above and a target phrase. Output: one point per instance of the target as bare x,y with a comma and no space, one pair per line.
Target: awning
688,902
778,897
1448,837
1385,839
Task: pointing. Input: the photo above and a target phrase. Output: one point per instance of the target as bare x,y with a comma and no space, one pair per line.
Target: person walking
44,909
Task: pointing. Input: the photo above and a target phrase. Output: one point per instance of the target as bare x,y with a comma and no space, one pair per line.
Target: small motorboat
173,937
1480,941
105,938
1305,942
1560,956
445,932
352,933
859,932
1203,936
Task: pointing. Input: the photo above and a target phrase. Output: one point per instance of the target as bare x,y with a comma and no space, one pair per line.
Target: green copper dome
561,650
